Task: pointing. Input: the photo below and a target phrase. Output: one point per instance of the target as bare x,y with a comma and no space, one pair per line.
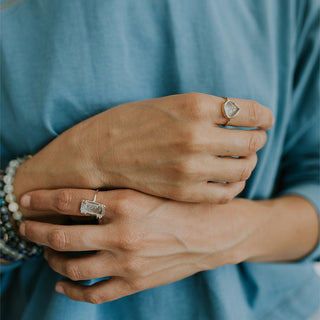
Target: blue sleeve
9,267
299,172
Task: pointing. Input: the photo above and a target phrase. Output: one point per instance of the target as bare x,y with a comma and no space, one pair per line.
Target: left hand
142,242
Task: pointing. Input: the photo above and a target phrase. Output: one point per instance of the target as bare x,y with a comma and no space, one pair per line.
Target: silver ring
229,110
92,208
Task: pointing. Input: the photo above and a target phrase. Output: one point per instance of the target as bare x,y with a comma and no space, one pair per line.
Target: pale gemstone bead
5,250
13,207
10,197
7,179
14,163
8,188
20,160
15,254
17,215
10,171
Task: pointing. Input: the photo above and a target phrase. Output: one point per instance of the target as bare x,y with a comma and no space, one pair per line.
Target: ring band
92,208
229,110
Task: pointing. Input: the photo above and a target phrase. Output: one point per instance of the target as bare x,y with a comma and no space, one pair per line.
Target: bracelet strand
12,246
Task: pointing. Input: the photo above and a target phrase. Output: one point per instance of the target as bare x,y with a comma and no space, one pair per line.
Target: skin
145,241
146,238
169,147
117,149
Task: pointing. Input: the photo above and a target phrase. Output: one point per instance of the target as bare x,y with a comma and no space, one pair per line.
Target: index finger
64,201
251,114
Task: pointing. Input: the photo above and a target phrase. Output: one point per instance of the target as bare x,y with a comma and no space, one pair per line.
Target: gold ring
229,110
92,208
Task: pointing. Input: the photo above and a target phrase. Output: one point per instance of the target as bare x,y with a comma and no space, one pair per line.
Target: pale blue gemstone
8,188
14,163
92,208
8,179
10,197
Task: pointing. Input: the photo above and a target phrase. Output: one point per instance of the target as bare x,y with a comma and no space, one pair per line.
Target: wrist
226,232
284,229
259,214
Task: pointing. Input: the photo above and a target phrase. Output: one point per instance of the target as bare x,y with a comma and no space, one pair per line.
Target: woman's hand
142,242
169,147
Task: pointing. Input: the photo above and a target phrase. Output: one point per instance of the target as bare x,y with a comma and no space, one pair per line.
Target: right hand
169,147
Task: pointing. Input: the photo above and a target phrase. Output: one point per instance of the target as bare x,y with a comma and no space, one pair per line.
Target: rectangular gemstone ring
92,208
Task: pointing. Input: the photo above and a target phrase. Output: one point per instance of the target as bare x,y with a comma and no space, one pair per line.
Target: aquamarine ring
92,208
229,110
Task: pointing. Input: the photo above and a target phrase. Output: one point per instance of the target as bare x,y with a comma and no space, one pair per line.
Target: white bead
10,171
13,207
20,160
10,197
17,215
14,163
8,179
8,188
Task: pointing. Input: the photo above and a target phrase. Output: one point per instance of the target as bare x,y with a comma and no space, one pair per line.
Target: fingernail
22,228
25,201
59,288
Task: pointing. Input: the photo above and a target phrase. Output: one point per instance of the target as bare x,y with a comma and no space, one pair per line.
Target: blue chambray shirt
64,61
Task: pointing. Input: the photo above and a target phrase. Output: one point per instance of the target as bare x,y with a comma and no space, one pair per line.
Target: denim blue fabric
64,61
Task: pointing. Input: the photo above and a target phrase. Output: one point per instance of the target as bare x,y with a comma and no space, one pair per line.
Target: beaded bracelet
13,247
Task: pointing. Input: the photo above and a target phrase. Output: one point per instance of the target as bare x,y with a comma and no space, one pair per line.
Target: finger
252,114
84,267
69,238
117,287
103,291
238,142
64,201
210,192
230,169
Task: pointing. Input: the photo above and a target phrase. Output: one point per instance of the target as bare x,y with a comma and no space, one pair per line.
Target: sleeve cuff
311,192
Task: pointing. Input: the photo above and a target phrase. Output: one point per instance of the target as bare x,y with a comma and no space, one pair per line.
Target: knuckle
192,140
129,240
254,142
57,239
93,297
72,271
263,138
242,185
245,172
137,284
249,165
133,266
255,112
122,207
253,161
188,167
194,105
225,196
123,202
64,200
238,187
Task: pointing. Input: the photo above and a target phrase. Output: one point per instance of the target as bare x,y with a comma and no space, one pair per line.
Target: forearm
285,229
